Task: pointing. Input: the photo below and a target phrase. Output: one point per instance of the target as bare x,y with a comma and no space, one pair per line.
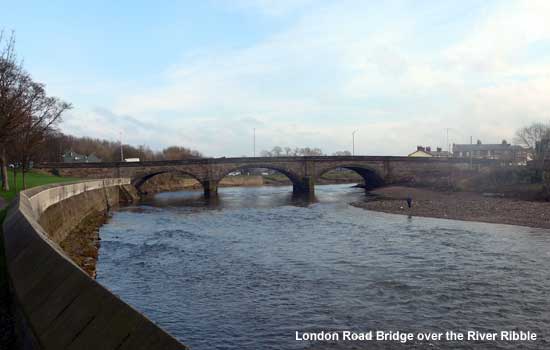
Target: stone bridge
302,171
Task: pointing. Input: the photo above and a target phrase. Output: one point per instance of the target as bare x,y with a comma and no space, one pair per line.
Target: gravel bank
458,206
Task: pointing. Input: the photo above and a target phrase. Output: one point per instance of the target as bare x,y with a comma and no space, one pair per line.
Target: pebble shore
458,206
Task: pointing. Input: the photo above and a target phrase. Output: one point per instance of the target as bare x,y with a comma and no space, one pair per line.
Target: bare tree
178,152
309,152
296,152
277,151
530,135
537,138
14,82
27,114
266,154
288,151
38,116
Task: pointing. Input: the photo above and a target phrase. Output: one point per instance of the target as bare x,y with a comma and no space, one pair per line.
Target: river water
256,266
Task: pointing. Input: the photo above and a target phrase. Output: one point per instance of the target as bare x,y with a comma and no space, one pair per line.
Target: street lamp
353,142
254,142
121,150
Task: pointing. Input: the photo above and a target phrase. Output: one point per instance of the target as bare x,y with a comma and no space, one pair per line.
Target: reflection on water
248,270
238,197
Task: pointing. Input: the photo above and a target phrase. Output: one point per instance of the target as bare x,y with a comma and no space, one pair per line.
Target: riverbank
82,244
466,206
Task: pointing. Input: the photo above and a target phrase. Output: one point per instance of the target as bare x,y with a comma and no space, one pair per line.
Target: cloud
381,68
103,123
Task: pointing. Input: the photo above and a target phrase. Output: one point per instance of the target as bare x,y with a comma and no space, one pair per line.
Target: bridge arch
142,179
371,176
296,180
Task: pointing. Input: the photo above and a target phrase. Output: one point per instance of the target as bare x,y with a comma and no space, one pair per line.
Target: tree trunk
4,170
15,179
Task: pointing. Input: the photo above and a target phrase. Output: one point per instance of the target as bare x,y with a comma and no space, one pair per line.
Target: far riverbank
466,206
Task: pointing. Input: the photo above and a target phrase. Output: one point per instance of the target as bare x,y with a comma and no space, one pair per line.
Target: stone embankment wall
57,305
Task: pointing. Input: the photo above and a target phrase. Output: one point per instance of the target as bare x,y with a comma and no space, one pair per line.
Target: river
254,267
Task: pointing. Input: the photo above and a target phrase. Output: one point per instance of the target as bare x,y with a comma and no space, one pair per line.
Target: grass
32,179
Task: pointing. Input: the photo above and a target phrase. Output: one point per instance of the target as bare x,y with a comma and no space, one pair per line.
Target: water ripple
251,270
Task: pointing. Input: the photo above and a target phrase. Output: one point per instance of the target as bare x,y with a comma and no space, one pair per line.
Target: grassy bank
32,179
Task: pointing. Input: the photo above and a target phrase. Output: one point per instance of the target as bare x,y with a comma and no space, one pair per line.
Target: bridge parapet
302,171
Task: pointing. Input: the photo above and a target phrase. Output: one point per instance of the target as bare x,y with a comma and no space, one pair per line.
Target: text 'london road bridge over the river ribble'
302,171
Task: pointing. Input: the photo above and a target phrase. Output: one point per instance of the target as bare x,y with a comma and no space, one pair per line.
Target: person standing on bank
409,201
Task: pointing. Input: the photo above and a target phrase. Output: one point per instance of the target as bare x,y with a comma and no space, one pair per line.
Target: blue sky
203,74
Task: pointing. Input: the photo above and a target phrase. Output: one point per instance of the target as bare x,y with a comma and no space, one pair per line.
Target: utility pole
448,145
353,142
471,151
121,150
254,143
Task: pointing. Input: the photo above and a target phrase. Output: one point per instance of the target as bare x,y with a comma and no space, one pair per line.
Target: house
501,151
72,157
427,151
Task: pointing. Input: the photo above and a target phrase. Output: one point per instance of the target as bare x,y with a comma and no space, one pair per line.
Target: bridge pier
305,186
210,188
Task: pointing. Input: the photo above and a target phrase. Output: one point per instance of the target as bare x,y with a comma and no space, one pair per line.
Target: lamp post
121,150
353,142
254,142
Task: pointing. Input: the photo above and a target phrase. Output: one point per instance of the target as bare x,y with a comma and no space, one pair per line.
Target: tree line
57,144
279,151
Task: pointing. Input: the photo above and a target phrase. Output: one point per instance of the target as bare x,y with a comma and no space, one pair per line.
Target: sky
303,73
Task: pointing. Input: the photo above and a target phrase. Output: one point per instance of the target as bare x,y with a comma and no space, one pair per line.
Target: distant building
501,151
72,157
131,160
427,152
